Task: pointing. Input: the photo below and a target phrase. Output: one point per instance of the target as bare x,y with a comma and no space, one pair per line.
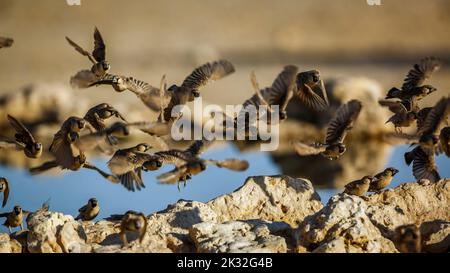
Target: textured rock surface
261,216
353,224
239,236
271,198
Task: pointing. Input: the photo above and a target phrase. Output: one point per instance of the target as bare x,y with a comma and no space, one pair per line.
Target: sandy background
146,39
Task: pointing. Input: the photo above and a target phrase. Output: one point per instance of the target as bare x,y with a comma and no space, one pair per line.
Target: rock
9,245
410,203
342,226
72,238
271,198
238,236
52,232
435,236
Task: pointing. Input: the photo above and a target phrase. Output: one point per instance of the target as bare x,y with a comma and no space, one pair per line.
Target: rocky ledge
266,214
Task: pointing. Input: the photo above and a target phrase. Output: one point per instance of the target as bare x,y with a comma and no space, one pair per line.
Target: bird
135,222
78,162
23,140
188,163
100,66
402,117
307,86
89,211
382,179
6,42
14,218
127,165
358,187
424,163
436,119
4,187
97,115
444,140
413,89
408,239
337,129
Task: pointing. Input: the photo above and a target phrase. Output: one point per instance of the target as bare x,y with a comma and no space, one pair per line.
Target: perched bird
337,130
358,187
23,140
413,89
407,239
382,179
128,164
89,211
100,66
14,218
6,42
402,117
4,187
187,163
133,221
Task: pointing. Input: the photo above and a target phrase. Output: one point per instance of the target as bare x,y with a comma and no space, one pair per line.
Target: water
71,190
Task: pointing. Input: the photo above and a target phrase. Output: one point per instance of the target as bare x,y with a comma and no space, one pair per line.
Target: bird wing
10,144
400,139
61,148
395,106
421,72
25,135
99,52
176,157
2,215
176,98
44,167
444,138
198,147
89,142
208,72
424,166
343,121
83,209
81,50
152,128
109,177
5,193
436,118
172,176
308,149
311,99
132,180
148,94
231,164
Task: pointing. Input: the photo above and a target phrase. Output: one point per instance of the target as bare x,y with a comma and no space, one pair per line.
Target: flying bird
23,140
4,187
413,89
188,162
402,117
339,126
128,164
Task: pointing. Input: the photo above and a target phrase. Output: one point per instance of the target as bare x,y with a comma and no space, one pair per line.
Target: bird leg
123,237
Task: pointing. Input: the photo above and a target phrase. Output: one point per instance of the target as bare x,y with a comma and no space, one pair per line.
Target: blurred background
146,39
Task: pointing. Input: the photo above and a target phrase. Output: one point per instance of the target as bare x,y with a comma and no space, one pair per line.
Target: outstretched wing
308,149
109,177
198,147
395,106
80,50
421,72
172,176
436,118
208,72
424,166
5,193
231,164
99,52
23,135
343,121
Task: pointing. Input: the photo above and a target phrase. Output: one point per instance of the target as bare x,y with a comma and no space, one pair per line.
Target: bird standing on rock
382,179
340,125
23,140
89,211
4,187
358,187
407,239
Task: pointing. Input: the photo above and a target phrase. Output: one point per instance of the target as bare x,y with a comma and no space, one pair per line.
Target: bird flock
78,135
